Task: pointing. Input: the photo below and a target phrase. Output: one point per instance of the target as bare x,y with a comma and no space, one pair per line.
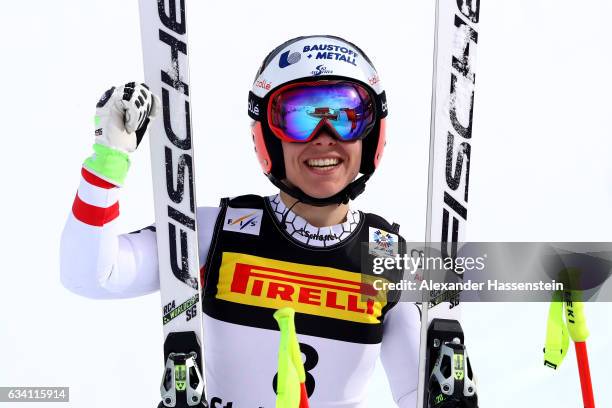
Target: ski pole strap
109,164
559,331
290,385
557,338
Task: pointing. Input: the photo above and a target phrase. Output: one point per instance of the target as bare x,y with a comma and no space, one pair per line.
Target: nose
324,138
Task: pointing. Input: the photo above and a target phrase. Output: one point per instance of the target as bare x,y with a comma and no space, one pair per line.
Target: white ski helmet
313,59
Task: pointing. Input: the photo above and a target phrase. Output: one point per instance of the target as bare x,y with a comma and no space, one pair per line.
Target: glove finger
128,90
155,106
143,101
131,116
142,116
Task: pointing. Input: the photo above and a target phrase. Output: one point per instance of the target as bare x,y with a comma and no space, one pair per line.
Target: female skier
318,110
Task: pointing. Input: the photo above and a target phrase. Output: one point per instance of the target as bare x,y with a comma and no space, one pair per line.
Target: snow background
540,169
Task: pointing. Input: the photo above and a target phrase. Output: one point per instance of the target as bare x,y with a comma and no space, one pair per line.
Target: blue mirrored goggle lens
346,107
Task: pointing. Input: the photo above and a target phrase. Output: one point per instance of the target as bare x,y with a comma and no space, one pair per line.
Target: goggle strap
256,108
381,104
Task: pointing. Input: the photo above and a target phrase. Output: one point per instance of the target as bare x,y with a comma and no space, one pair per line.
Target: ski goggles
297,112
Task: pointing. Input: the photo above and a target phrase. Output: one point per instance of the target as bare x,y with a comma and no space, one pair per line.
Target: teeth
323,162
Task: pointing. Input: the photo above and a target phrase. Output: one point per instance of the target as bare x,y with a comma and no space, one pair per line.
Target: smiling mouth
323,163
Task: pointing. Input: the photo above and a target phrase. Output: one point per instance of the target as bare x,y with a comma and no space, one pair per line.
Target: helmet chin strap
350,192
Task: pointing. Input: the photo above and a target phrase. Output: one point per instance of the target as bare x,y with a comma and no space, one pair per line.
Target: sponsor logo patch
253,107
309,289
189,307
262,83
320,70
244,220
382,243
315,236
288,58
331,52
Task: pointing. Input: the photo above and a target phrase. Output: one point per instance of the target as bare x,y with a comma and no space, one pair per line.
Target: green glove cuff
109,164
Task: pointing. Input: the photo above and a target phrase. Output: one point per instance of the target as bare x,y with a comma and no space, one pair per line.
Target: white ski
456,38
166,64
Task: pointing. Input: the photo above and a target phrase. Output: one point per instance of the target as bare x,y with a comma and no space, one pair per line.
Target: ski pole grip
284,314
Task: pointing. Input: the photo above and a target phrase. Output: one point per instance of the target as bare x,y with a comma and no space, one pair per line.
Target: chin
323,191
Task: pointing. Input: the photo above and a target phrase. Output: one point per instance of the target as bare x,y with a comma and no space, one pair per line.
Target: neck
317,216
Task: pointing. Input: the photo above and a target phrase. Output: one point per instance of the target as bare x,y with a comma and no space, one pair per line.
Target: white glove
122,116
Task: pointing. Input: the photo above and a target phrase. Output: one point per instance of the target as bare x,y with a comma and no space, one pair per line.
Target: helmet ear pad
263,155
373,147
269,151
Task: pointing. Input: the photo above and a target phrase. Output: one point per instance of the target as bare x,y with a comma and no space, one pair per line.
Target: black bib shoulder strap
376,221
244,201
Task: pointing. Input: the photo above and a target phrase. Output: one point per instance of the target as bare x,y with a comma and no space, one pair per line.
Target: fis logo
243,220
287,59
320,70
249,220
